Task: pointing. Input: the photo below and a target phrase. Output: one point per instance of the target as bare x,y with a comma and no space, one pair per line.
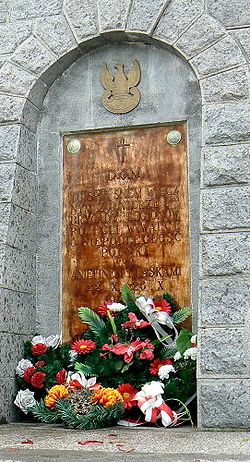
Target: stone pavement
44,443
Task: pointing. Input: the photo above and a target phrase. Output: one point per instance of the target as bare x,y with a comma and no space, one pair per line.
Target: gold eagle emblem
121,95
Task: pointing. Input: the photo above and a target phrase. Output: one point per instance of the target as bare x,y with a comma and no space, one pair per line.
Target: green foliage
97,417
168,298
128,296
95,323
183,341
180,315
44,414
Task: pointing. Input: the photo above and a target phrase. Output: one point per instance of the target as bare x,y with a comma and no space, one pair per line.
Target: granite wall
38,42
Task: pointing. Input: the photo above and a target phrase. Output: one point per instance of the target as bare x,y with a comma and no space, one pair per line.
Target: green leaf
168,298
128,296
89,317
87,370
183,341
126,367
180,315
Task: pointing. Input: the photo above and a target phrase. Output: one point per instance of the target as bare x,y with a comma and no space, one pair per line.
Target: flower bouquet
133,365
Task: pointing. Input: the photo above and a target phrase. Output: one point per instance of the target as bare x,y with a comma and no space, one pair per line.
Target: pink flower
129,350
135,323
147,354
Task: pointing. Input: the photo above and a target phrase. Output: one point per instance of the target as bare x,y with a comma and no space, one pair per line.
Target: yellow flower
107,397
55,393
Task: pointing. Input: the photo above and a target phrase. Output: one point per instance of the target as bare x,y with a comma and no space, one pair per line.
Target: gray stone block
82,15
228,86
27,149
11,351
178,15
112,15
30,116
225,208
11,108
18,312
223,301
35,8
7,176
21,229
223,55
222,352
225,165
225,254
13,35
3,10
33,56
143,15
4,221
230,13
200,35
8,389
224,403
19,144
242,37
17,109
226,123
15,80
56,33
24,190
17,269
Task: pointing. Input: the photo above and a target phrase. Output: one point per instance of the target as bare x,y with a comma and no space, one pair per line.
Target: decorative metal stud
173,137
74,146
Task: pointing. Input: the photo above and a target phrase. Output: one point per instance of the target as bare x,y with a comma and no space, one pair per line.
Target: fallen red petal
89,443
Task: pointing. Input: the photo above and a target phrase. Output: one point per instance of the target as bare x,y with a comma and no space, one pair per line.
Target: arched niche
170,93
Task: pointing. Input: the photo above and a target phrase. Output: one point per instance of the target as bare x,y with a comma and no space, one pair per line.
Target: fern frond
89,317
128,296
43,413
180,315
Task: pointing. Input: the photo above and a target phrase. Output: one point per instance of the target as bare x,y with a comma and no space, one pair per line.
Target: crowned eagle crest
121,95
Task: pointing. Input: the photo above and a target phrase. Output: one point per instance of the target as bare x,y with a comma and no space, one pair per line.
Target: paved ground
44,443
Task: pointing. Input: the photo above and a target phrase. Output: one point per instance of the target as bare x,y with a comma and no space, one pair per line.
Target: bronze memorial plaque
125,218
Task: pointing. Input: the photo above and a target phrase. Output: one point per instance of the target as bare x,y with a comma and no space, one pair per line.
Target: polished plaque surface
125,218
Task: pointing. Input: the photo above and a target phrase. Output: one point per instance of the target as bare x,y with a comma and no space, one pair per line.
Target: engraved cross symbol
121,150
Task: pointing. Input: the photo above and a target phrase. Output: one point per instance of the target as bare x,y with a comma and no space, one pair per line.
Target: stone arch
37,53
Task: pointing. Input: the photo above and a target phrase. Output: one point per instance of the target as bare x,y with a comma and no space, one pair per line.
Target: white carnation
38,339
177,356
152,389
190,353
22,366
164,371
53,341
116,307
25,400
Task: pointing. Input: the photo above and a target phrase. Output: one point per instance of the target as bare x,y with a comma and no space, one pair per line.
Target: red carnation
83,347
40,364
147,354
28,374
37,380
155,366
39,349
61,377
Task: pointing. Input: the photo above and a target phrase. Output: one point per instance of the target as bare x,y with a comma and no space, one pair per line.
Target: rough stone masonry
39,41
